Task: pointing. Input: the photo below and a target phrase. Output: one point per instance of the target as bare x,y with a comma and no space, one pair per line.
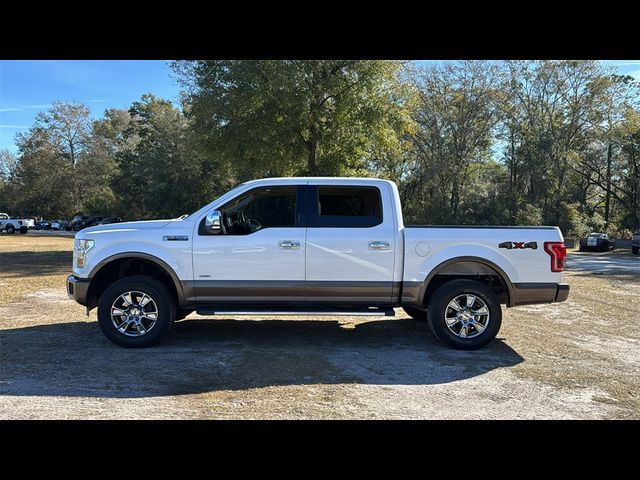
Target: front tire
23,230
136,312
11,229
464,314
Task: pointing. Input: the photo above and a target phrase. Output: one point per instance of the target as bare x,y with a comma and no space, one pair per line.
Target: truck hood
123,227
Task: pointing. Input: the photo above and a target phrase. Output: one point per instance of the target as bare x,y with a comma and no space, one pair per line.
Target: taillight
558,253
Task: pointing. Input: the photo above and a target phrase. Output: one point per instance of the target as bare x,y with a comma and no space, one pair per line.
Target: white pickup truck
333,246
15,224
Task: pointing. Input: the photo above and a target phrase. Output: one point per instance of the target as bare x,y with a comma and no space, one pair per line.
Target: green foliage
529,215
275,118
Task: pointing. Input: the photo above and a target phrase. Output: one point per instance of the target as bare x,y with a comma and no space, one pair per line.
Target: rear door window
354,207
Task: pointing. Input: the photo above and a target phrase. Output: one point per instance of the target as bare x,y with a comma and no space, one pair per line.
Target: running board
298,311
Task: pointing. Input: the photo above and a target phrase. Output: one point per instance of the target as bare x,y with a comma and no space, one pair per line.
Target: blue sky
29,86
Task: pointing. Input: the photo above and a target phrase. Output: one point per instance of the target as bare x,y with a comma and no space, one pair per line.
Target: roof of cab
318,180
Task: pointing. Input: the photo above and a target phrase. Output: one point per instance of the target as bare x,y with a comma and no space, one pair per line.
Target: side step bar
299,311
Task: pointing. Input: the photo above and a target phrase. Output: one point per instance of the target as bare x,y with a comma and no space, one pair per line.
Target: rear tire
23,230
485,301
164,303
416,313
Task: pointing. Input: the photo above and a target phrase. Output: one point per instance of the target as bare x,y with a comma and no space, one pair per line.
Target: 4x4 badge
518,245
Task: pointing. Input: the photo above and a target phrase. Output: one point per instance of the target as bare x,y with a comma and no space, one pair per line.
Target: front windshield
189,216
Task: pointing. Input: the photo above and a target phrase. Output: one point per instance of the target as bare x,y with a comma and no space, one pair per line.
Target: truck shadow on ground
74,359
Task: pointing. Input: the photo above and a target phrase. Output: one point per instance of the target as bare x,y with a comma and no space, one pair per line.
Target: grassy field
577,359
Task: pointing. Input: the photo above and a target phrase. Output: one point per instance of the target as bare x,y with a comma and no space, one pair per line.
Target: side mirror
212,223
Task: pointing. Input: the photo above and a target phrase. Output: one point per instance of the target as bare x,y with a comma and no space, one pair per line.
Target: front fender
176,255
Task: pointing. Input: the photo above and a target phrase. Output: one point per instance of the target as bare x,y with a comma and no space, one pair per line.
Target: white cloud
25,107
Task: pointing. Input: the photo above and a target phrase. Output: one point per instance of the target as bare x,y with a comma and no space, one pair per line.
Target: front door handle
290,244
378,245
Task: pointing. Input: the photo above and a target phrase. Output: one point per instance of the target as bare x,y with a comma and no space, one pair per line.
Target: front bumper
77,288
531,293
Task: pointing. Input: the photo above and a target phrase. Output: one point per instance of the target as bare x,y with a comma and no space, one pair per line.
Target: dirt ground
577,359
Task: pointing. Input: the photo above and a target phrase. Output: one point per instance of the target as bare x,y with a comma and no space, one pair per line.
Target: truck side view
12,225
296,246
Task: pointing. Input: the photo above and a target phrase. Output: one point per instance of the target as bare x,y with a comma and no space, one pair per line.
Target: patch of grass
29,264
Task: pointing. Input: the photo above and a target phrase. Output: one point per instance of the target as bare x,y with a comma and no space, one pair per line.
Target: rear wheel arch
471,268
125,264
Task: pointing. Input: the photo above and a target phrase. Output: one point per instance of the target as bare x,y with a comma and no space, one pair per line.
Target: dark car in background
107,220
43,225
597,241
635,242
81,221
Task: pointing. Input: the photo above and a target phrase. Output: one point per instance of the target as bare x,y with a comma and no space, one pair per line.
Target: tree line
468,142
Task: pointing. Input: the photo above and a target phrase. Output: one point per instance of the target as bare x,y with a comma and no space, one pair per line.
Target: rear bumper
532,293
77,288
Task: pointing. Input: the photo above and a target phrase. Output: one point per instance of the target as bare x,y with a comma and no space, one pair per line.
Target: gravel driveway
577,359
601,263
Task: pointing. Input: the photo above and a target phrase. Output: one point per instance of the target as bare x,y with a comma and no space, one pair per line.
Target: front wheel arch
123,265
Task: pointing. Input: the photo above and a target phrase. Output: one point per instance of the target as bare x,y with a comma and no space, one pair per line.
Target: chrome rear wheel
467,316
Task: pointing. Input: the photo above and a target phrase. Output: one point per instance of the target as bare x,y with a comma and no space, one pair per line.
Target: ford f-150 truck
13,225
334,246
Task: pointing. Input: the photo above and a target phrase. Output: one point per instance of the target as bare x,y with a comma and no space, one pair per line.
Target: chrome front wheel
134,313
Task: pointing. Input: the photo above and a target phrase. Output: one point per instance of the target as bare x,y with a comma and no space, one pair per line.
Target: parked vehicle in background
13,225
597,241
43,225
635,242
4,216
59,224
107,220
320,246
79,222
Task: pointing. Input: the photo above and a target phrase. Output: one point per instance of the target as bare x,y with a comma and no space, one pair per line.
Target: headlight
82,247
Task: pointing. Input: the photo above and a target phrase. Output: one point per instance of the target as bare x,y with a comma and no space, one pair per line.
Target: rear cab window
346,207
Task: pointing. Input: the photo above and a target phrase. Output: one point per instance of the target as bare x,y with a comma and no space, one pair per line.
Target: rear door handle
290,244
378,245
